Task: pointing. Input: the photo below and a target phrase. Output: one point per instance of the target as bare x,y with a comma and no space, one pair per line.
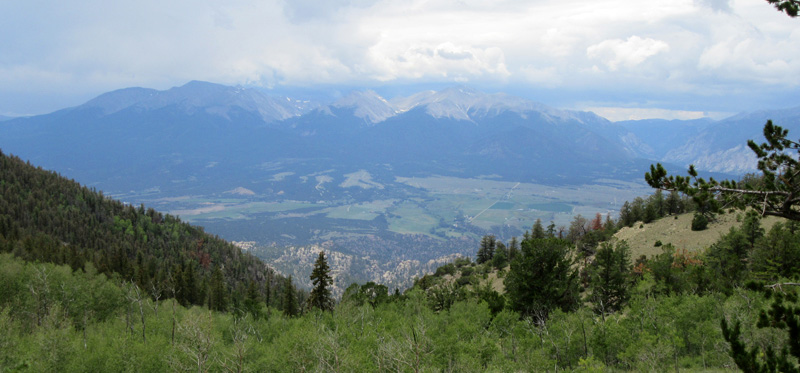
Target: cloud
698,48
628,53
446,61
716,5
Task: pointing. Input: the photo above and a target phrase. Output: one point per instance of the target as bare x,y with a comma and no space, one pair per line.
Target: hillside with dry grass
676,230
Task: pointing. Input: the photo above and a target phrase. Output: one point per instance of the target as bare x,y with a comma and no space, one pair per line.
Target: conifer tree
609,281
513,249
486,251
537,231
320,296
551,230
542,278
500,259
290,307
218,291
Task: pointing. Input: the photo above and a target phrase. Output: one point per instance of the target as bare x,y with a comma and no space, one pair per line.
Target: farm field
439,207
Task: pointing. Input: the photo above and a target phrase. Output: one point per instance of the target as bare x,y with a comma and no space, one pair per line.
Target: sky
622,59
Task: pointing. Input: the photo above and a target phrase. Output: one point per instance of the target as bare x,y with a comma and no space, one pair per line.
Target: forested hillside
47,218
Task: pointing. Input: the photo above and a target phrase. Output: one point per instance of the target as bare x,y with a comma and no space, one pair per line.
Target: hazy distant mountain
212,98
661,135
209,136
367,105
718,146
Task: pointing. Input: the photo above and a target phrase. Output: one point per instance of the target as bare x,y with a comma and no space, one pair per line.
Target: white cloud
628,53
687,47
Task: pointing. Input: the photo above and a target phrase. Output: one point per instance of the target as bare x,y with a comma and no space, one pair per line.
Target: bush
461,262
447,269
464,280
657,244
699,222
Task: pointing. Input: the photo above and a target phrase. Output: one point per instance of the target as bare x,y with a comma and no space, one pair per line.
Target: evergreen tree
218,291
542,278
784,314
486,251
252,300
673,203
726,260
774,193
777,254
609,281
537,231
320,296
751,227
551,230
626,218
290,307
609,227
500,259
513,249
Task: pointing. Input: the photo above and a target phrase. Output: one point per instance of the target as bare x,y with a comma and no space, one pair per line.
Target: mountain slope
45,217
722,146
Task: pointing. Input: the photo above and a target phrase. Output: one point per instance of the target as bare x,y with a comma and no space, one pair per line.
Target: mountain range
377,180
138,138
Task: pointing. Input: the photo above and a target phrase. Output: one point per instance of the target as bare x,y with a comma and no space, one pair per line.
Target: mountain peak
198,95
114,101
367,105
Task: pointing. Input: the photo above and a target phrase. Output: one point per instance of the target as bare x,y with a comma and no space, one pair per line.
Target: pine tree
218,291
252,300
537,231
513,249
320,296
542,278
609,281
751,227
486,251
290,307
783,315
551,230
500,259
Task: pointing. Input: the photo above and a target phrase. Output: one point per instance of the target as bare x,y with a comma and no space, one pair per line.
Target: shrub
699,222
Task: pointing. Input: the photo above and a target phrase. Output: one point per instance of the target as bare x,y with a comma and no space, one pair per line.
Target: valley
392,187
386,231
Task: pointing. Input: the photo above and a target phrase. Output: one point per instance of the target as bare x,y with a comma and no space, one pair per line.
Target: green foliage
790,7
447,269
320,296
699,222
777,255
542,278
783,315
486,250
289,300
369,293
47,218
751,227
500,258
726,260
610,277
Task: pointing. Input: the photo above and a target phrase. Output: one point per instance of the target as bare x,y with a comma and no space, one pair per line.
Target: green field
437,206
410,217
